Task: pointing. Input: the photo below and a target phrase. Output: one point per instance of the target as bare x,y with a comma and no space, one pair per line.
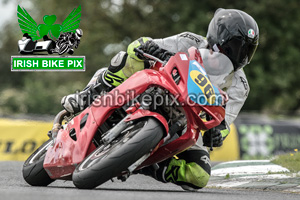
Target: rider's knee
196,176
192,169
186,174
114,75
118,62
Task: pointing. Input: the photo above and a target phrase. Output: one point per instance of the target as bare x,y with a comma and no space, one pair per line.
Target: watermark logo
148,100
49,63
48,38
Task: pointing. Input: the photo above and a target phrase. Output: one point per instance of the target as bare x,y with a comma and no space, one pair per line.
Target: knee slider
189,174
118,62
196,175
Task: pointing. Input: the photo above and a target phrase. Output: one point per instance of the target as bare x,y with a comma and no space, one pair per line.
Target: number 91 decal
205,85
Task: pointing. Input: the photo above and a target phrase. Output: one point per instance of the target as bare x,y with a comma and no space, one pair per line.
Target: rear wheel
33,171
109,161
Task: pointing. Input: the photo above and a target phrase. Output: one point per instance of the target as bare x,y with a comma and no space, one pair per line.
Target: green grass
227,176
291,161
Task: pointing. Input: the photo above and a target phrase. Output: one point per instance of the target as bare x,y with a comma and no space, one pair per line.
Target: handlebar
146,55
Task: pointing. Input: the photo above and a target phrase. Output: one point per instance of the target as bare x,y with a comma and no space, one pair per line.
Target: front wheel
33,171
109,161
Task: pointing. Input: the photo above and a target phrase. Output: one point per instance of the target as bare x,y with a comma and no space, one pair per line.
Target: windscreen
218,67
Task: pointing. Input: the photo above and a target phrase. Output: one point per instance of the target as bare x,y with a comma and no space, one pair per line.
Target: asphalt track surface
12,186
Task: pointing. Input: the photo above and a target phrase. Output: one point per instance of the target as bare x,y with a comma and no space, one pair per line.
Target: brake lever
211,139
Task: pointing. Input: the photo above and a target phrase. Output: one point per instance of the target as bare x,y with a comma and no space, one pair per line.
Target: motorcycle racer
67,41
231,32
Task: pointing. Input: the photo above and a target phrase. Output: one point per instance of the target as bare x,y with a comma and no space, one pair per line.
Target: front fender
140,113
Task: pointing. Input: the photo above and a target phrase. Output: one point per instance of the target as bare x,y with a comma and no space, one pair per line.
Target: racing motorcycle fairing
180,76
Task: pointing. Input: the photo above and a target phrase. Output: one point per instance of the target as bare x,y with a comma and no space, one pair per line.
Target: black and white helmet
235,34
78,33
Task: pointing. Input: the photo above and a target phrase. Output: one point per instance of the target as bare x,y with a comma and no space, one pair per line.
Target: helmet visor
239,51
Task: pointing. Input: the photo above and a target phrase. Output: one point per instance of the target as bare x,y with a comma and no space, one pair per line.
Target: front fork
116,130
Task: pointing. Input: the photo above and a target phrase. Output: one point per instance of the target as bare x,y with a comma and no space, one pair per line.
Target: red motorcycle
154,115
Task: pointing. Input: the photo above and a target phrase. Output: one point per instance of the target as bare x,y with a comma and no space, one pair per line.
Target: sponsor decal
183,57
191,37
205,159
251,33
19,138
243,80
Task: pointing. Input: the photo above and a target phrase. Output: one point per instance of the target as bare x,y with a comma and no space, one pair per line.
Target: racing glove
216,136
150,47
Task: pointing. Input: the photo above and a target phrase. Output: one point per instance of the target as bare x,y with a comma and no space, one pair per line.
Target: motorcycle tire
107,162
33,171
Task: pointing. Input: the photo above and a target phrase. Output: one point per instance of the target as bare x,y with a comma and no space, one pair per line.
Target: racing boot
75,103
